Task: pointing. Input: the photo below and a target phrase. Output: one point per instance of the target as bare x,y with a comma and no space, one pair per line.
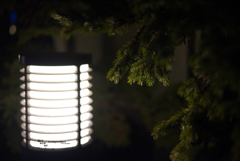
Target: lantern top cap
55,59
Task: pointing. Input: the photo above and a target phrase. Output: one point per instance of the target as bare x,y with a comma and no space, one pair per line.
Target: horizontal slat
52,95
54,144
85,140
85,76
85,108
51,128
53,137
52,69
85,84
85,132
50,112
86,124
85,92
85,101
51,103
51,86
50,120
56,78
84,68
86,116
50,78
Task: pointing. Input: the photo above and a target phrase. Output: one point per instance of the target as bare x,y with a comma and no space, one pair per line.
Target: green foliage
117,111
158,109
210,123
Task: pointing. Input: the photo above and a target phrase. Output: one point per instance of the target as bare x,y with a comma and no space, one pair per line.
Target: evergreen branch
173,122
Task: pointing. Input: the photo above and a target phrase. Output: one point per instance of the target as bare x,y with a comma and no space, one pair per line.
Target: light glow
53,137
23,133
52,69
52,106
85,84
85,100
51,112
51,128
86,132
85,92
84,68
86,124
50,95
86,116
85,108
51,120
84,76
52,78
12,29
50,86
51,103
54,145
85,140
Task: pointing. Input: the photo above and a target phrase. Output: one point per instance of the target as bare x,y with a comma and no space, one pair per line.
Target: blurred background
124,115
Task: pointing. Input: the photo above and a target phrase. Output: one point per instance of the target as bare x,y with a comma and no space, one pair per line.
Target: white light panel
50,112
85,124
53,95
51,78
52,106
51,128
52,86
85,108
85,140
53,137
52,69
85,116
54,145
86,132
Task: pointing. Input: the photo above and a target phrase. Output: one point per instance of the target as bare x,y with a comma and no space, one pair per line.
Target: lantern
56,101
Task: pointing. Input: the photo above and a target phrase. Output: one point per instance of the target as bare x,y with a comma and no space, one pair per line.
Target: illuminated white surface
52,69
84,68
54,145
84,76
85,132
51,103
52,78
51,95
23,125
85,140
51,128
22,70
85,92
52,106
85,108
53,137
23,133
51,120
85,84
86,124
85,100
51,112
23,110
50,86
86,116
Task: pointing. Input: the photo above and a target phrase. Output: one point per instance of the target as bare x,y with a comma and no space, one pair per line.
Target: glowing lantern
56,105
